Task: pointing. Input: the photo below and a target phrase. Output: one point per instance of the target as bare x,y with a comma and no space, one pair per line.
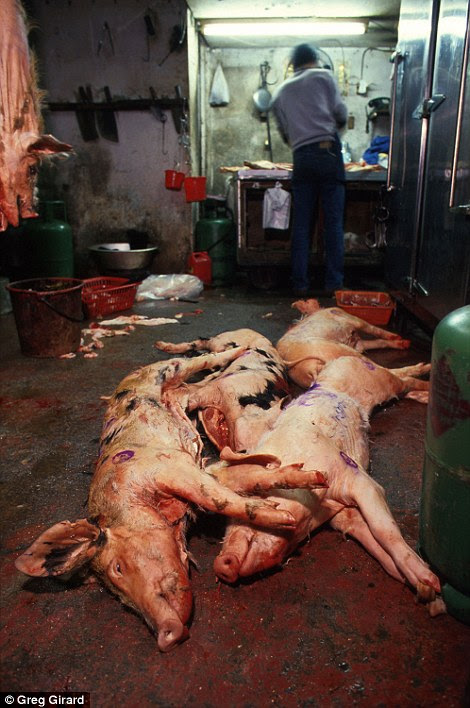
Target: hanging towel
276,208
220,94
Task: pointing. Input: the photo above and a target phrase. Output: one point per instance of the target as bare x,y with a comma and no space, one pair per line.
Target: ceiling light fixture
283,28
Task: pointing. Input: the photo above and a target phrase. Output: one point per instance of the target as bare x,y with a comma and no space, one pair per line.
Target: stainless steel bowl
120,256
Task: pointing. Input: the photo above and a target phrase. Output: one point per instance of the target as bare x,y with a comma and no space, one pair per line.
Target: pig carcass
335,324
148,470
231,405
306,357
21,144
327,426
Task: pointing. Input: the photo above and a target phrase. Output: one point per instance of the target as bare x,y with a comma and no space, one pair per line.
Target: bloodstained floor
329,629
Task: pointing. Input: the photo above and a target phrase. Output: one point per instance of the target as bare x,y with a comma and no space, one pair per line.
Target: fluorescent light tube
281,28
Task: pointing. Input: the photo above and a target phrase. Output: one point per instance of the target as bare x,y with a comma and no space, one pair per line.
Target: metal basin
120,256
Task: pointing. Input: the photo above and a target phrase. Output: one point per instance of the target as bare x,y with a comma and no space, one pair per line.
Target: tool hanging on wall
160,115
177,40
375,108
150,31
105,35
262,100
86,118
106,119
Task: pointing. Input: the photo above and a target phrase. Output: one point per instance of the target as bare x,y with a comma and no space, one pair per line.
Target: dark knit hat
303,54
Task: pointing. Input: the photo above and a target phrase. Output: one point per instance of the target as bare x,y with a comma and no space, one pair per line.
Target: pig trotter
425,593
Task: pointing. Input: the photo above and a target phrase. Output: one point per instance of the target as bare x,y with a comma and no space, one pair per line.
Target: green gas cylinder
215,233
444,524
47,243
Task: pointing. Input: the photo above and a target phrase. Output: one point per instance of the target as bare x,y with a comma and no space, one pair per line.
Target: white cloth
276,208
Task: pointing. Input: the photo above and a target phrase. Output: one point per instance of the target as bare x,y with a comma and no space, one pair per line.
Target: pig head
21,144
146,568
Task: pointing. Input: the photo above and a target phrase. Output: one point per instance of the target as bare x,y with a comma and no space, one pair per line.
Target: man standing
309,111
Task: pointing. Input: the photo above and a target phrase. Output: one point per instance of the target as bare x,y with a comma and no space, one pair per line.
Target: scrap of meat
232,405
21,144
329,427
139,320
148,470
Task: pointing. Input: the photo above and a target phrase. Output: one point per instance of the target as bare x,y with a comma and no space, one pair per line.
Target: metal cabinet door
443,263
411,83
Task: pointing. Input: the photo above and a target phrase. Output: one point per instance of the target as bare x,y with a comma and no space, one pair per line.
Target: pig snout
237,542
248,551
227,567
167,617
262,551
170,633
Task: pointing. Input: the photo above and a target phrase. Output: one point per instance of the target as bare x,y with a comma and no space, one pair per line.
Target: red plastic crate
373,307
102,296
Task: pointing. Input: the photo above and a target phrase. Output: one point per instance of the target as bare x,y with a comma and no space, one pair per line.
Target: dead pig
21,144
334,324
310,355
231,404
149,469
328,428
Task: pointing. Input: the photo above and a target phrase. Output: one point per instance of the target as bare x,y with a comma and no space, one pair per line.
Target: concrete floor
330,629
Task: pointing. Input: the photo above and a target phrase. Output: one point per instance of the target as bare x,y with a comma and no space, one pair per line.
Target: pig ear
48,145
244,458
62,548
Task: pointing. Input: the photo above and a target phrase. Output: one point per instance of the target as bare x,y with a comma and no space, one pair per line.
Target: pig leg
351,522
175,371
201,488
256,478
414,388
413,370
370,499
396,342
196,345
381,334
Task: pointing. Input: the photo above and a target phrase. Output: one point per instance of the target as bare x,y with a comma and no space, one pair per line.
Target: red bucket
48,315
200,265
174,179
195,188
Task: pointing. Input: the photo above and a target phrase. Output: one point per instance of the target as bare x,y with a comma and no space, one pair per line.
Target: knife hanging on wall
86,118
107,120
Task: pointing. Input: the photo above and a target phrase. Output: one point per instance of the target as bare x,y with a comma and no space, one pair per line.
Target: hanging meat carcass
21,143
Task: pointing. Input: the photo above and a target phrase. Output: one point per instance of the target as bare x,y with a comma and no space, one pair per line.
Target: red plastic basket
374,307
102,296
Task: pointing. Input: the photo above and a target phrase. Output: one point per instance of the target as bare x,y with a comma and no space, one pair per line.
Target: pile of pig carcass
21,144
287,464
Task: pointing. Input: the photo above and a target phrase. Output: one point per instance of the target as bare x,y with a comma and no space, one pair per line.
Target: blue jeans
318,172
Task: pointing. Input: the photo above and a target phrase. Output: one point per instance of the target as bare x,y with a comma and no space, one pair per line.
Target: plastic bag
160,287
220,95
276,208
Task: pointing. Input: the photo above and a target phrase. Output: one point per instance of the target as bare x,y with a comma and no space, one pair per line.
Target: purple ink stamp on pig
123,456
369,365
348,460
